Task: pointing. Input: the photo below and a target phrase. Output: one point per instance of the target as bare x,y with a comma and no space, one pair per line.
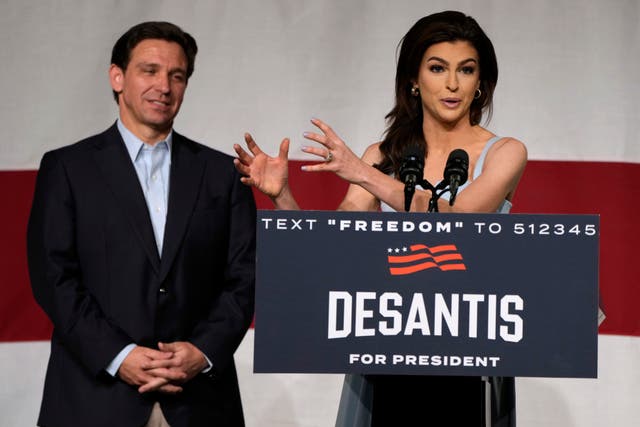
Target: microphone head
457,164
412,162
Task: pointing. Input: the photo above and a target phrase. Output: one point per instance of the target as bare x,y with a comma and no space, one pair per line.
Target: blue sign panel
432,294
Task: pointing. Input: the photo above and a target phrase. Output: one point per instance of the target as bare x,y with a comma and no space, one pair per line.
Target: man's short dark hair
121,53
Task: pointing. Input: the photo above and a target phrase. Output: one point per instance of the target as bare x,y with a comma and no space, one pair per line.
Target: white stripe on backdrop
312,400
568,88
568,83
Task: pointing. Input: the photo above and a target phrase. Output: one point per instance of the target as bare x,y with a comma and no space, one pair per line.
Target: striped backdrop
568,88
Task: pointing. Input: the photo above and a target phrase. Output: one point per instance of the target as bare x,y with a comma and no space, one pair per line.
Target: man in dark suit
141,249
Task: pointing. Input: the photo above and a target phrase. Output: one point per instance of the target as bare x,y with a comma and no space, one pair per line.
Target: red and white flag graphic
420,257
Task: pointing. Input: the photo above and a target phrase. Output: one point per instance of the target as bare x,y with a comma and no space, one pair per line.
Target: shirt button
163,290
154,177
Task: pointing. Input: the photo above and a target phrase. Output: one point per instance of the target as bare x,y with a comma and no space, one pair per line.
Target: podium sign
432,294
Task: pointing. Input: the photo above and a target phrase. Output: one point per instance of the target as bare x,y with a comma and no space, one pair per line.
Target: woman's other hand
268,174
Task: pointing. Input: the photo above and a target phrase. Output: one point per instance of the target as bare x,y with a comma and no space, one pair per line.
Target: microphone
456,172
411,172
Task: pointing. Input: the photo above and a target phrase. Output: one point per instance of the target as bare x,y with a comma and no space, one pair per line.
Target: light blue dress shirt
153,165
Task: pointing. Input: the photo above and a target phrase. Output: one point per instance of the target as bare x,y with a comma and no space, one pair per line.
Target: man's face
151,89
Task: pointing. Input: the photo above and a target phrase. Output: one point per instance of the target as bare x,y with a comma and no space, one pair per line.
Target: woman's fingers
284,149
251,144
243,156
241,167
316,151
316,137
325,128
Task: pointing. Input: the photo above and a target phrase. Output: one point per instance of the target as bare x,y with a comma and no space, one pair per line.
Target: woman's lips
451,102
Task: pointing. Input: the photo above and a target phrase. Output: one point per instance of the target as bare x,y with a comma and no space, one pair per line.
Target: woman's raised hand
267,174
338,158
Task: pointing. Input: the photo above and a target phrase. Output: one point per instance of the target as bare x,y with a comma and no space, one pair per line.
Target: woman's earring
478,94
415,91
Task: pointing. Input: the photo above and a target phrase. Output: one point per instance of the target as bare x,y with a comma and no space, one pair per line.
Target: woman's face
448,79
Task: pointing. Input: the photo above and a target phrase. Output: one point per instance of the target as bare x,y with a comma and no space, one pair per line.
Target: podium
427,294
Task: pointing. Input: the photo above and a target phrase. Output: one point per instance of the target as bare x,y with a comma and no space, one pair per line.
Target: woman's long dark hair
404,121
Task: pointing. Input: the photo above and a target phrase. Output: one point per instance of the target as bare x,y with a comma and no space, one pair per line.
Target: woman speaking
446,75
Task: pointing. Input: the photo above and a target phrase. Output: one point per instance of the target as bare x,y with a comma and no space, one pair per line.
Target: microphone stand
436,192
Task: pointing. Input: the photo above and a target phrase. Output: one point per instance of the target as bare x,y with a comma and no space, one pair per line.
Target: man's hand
185,363
136,370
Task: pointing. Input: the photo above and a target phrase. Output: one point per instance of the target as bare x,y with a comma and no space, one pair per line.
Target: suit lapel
185,182
114,162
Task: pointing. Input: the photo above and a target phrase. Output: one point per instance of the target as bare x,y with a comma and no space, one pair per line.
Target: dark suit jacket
96,272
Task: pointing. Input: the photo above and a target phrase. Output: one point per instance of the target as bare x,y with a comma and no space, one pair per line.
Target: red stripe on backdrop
610,190
20,318
607,189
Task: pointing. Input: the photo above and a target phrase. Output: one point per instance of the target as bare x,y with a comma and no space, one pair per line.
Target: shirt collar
135,144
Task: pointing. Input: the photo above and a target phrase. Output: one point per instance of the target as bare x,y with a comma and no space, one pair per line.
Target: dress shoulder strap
480,163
